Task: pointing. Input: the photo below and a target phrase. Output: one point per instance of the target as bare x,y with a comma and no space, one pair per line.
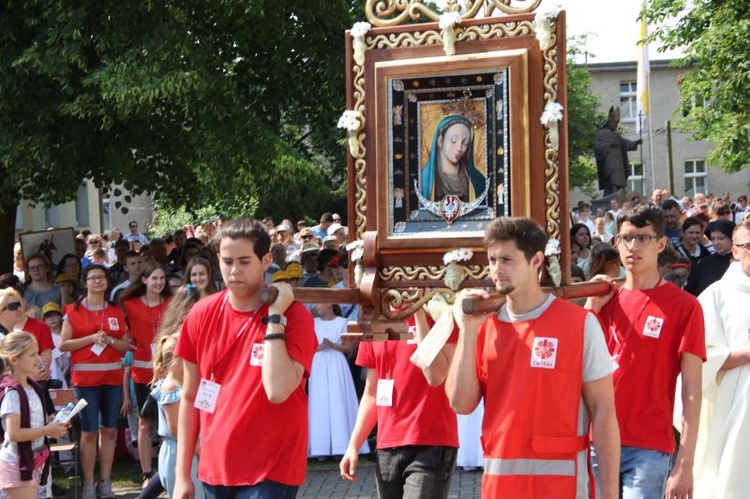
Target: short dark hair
576,271
670,204
642,215
132,254
122,242
690,222
525,232
246,228
668,255
326,217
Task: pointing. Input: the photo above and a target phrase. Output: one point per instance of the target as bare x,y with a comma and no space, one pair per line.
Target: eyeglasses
12,306
744,246
640,239
98,278
36,267
337,220
305,238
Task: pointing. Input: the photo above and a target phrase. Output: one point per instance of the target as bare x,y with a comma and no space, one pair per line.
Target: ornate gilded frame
405,273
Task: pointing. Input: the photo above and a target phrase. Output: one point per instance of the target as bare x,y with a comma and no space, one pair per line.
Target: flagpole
651,133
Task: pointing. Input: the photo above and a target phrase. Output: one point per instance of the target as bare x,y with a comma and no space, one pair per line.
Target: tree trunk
7,236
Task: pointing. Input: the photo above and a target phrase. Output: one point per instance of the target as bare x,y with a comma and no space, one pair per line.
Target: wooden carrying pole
473,305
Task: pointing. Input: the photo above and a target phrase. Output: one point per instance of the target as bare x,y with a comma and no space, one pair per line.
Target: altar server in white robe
723,451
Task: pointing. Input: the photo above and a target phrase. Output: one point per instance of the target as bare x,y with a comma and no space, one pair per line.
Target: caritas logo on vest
544,353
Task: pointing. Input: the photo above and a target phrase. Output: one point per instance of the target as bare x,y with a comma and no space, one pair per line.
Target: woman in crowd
332,402
144,302
18,265
189,251
711,268
25,449
40,289
70,265
604,260
11,310
691,245
581,234
94,333
199,273
601,230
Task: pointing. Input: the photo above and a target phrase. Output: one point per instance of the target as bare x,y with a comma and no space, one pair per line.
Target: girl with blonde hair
24,455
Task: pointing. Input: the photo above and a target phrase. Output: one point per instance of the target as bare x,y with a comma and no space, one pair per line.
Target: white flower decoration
350,120
552,112
549,10
360,29
357,248
543,23
449,19
458,255
552,248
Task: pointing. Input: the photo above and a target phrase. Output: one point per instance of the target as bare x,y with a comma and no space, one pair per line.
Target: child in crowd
24,456
168,392
332,399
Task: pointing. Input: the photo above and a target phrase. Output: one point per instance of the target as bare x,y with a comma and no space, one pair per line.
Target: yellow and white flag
644,69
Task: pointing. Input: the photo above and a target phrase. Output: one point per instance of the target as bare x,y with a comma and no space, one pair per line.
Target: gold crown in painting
465,107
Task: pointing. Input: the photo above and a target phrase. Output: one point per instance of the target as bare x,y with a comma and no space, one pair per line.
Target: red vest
143,323
88,368
532,393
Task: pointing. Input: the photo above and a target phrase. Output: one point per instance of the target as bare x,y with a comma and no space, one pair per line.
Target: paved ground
326,483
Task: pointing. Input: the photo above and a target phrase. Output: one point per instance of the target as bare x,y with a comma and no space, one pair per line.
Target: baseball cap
333,228
309,248
51,307
64,278
283,228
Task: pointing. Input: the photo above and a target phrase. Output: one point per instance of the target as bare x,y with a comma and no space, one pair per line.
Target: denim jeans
643,473
264,490
415,472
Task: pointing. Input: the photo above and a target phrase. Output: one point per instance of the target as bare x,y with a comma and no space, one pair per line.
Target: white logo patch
256,355
544,353
652,327
113,324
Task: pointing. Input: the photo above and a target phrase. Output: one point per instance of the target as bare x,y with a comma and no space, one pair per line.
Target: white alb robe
723,451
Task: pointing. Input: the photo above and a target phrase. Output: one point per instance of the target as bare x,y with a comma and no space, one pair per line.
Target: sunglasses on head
13,306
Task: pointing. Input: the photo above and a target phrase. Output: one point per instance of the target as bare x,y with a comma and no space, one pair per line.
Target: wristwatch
111,340
275,319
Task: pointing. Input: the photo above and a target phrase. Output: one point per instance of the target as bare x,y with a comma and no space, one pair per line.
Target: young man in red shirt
245,366
655,332
417,430
542,366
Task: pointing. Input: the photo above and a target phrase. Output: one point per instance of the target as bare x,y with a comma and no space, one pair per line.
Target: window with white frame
696,177
636,179
628,101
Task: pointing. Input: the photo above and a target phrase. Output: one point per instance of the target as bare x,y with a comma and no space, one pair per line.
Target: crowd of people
172,332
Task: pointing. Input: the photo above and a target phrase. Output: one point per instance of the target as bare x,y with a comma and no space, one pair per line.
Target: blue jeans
103,409
264,490
643,473
414,472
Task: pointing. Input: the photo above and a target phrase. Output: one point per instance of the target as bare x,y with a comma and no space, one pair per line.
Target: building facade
90,211
679,164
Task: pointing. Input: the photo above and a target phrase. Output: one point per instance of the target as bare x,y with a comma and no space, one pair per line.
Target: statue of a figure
611,150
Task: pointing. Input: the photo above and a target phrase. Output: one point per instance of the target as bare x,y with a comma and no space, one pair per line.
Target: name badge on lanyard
384,395
208,393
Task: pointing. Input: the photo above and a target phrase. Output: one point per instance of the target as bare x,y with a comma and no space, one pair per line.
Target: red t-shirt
420,414
85,322
247,439
41,332
143,322
647,332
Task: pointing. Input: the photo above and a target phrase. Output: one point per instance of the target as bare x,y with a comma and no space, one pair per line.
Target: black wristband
275,336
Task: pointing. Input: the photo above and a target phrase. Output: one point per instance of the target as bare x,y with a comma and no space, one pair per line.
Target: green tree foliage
199,102
715,35
583,120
